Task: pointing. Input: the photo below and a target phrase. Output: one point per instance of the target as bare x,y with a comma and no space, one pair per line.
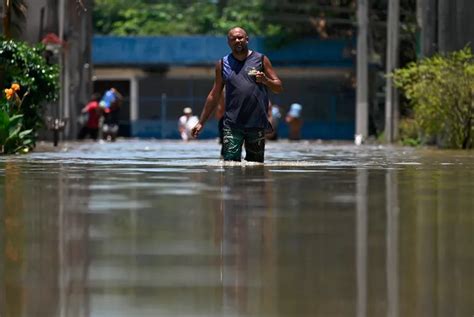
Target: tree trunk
6,18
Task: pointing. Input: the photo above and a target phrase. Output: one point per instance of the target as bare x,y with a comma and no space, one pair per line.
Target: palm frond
19,9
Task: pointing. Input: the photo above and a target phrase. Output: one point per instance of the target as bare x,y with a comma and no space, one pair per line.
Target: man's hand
196,130
261,78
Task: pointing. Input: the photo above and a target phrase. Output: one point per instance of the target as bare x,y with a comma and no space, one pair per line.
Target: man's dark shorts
253,140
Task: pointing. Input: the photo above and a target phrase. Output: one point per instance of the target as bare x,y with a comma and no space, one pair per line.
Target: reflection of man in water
247,75
186,122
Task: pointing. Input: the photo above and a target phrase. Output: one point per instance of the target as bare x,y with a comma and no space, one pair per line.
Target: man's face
237,40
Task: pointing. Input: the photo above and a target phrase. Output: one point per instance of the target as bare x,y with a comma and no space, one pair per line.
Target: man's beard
240,48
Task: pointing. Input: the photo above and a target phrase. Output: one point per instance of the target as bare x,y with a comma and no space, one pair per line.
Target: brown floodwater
163,228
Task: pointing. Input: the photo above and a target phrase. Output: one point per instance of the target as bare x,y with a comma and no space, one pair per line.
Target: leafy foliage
441,91
409,132
284,18
13,138
141,17
21,104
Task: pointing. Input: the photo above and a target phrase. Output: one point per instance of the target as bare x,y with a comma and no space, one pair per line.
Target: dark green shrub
38,83
441,92
409,132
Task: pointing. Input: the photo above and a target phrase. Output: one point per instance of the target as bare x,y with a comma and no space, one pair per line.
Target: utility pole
362,105
62,92
391,100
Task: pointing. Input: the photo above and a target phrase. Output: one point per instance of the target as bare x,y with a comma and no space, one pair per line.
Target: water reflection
12,242
310,233
392,260
361,241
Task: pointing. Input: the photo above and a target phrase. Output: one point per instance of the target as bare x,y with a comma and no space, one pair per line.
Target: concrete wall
43,17
455,25
446,25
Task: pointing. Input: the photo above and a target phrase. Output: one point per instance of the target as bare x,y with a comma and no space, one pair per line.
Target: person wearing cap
110,105
247,76
294,121
186,122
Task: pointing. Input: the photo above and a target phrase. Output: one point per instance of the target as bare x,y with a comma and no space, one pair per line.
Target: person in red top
93,112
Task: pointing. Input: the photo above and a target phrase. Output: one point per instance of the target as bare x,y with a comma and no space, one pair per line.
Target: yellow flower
15,87
9,93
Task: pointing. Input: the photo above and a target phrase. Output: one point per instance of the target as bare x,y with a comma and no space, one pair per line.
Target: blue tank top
246,101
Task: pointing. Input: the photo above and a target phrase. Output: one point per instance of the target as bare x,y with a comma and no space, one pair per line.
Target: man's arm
212,101
117,94
181,124
220,107
269,78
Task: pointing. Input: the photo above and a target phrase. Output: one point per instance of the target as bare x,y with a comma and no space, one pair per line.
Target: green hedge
441,91
21,109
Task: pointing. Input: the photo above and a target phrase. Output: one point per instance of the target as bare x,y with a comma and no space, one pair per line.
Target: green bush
21,111
409,132
441,92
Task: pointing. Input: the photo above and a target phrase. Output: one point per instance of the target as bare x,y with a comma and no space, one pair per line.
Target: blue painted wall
205,50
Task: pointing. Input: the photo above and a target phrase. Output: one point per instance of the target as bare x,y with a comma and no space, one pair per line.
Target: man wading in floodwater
247,75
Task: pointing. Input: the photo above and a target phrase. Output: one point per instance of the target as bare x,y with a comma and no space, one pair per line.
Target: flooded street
163,228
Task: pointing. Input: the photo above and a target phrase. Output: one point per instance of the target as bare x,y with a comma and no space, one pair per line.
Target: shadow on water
149,228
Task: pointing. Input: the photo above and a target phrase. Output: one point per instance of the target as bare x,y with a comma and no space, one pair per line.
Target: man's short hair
237,27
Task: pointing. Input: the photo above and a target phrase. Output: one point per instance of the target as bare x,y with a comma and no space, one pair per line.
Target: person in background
294,121
274,117
93,113
186,122
110,104
247,75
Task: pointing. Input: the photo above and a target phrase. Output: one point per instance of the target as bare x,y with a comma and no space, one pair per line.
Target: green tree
284,19
441,91
141,17
108,12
